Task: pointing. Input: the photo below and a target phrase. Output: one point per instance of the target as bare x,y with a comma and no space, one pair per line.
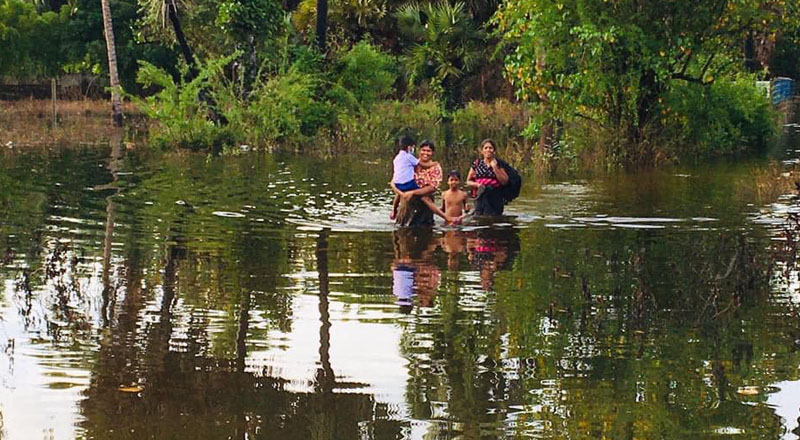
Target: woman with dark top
494,183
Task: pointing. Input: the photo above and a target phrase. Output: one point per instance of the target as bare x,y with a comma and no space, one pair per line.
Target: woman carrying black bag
494,182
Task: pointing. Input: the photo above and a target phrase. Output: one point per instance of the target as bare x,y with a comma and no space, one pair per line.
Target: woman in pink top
428,176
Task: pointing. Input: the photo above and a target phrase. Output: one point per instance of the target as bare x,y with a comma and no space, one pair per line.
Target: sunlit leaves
612,60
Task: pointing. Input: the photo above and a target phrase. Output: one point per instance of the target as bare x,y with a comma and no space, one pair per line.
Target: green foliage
245,18
447,45
48,43
85,46
366,74
182,119
31,42
611,62
285,108
727,117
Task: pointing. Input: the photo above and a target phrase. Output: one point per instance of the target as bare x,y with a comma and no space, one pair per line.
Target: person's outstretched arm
432,206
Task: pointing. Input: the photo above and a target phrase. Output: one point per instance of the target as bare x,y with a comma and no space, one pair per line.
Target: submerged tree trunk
113,75
413,213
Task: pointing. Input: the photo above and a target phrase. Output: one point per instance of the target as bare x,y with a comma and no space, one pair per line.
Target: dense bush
181,118
30,43
725,117
290,106
366,74
285,108
694,121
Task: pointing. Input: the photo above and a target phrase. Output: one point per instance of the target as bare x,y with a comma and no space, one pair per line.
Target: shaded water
164,297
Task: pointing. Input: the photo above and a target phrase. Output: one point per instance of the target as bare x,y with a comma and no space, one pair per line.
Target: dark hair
427,143
454,173
405,142
487,141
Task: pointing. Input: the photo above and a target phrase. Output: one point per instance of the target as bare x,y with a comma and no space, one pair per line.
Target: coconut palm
447,46
158,12
111,50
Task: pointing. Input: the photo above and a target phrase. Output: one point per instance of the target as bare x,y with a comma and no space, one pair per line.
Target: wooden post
53,97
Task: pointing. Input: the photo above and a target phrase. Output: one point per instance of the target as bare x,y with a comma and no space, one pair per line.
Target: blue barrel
781,89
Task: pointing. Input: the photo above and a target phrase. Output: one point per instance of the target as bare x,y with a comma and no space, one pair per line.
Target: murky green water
266,297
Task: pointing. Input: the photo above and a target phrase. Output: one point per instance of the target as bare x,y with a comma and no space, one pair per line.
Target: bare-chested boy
454,200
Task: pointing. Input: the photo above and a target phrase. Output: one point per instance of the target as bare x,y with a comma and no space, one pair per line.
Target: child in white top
403,177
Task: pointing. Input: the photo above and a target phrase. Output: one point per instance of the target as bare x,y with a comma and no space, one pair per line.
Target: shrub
726,117
285,108
182,119
366,74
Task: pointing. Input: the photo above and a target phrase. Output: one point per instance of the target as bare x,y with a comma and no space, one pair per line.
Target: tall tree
158,11
113,76
447,45
613,62
322,23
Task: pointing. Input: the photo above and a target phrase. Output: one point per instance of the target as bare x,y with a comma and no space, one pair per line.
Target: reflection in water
413,268
274,321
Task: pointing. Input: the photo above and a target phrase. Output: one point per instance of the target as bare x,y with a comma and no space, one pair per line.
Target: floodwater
148,296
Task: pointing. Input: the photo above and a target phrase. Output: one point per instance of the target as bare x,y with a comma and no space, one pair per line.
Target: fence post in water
53,98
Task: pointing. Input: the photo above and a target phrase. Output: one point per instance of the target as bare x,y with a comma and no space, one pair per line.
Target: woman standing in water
493,181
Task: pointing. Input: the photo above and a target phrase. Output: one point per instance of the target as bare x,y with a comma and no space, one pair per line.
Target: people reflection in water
413,269
416,276
490,250
454,243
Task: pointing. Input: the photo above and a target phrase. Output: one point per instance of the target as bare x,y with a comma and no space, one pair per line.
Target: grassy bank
29,123
740,121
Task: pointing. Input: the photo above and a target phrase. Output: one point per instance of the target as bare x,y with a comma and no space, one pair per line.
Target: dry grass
29,123
774,181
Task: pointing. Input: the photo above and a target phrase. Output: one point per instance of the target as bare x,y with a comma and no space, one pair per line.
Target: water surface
256,296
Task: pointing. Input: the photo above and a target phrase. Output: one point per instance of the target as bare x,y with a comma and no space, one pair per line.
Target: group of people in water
492,182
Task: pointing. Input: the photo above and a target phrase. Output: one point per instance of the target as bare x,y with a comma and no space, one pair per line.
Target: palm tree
447,46
108,30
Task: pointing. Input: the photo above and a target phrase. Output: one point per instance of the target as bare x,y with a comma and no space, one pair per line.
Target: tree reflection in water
527,331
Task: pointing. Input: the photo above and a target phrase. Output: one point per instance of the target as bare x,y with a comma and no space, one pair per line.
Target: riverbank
578,148
29,123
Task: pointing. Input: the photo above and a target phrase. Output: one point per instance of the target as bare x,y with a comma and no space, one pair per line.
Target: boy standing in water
454,200
403,177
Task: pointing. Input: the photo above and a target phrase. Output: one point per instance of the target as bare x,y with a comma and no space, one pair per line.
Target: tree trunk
186,51
546,134
322,23
108,30
188,56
